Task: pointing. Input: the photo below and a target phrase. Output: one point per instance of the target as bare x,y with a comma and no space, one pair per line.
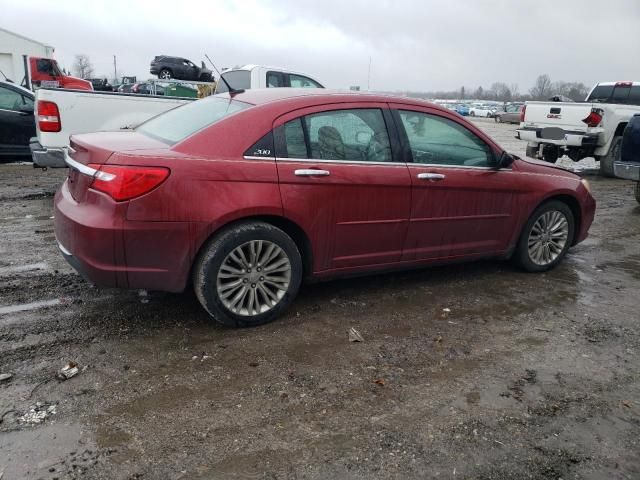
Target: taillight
524,109
124,182
48,117
594,118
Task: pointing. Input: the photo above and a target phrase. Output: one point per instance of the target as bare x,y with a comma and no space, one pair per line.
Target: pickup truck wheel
546,237
637,192
606,162
165,74
248,274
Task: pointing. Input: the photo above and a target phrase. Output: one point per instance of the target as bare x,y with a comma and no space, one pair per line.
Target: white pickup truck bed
89,111
554,129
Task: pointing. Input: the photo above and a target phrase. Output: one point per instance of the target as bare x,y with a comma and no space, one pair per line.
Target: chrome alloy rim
548,237
253,278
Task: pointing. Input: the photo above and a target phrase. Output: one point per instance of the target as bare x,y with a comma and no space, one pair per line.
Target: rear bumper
558,136
109,251
630,171
46,157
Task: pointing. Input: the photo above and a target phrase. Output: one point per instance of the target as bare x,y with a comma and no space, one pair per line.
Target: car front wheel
546,237
248,274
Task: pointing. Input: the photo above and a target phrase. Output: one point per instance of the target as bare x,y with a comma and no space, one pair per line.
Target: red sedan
244,196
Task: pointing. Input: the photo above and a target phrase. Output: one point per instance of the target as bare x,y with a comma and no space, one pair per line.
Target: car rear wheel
248,274
606,162
546,237
165,74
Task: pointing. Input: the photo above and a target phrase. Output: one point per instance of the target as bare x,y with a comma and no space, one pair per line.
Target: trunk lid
97,148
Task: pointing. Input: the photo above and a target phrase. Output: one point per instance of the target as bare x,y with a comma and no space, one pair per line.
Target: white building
12,49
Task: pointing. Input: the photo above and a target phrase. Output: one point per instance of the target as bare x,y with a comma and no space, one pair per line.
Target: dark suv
166,68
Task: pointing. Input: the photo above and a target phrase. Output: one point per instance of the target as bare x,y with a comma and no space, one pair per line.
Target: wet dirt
526,376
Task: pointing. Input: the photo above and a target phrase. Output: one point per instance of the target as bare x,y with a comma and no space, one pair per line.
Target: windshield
238,79
181,122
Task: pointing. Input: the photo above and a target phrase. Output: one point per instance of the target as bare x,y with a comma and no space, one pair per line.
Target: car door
342,182
461,205
17,123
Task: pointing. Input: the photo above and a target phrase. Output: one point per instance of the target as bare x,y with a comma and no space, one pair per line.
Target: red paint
47,70
363,217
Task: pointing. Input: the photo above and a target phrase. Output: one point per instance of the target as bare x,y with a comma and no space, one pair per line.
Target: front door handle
310,172
431,176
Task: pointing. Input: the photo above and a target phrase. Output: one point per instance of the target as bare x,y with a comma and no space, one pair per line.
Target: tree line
543,89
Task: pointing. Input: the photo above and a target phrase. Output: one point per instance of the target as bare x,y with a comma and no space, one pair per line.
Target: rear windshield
238,79
177,124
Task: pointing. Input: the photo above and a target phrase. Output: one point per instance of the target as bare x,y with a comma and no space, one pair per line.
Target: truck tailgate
564,115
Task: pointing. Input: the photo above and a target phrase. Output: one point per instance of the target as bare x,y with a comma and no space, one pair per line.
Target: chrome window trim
357,162
251,157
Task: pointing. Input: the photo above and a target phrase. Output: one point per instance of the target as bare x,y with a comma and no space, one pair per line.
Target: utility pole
369,76
115,70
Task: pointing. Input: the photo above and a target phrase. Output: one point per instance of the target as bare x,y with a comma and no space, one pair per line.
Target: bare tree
542,87
479,95
82,66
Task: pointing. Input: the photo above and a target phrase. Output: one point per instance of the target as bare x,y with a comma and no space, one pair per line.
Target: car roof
17,88
315,96
252,66
607,84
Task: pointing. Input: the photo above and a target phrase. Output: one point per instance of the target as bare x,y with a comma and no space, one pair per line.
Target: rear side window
238,79
181,122
348,135
298,81
601,94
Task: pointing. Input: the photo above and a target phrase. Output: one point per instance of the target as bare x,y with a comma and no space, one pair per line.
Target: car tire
239,294
606,162
532,152
542,246
498,119
165,74
473,114
637,191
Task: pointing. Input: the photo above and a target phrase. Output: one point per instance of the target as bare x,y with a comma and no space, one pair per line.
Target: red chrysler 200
243,196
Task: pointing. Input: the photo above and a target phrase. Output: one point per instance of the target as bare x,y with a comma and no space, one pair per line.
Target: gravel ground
523,377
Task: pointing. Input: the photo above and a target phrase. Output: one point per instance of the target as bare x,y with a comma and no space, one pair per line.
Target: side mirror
505,160
26,108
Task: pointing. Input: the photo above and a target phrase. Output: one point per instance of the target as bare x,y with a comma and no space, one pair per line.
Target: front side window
10,100
275,80
298,81
347,135
620,94
177,124
439,141
634,95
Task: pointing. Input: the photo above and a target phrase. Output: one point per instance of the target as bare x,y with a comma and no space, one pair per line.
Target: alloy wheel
253,278
548,237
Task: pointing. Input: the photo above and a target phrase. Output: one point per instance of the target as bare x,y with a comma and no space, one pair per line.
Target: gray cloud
414,45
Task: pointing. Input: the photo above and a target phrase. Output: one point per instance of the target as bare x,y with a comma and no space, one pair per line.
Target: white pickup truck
581,129
258,76
62,113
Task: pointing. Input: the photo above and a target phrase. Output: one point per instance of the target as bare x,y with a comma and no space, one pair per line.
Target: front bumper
46,157
558,136
630,171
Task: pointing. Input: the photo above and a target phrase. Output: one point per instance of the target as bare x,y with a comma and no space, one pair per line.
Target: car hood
537,166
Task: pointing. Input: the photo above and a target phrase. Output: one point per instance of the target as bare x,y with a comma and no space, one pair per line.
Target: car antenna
232,91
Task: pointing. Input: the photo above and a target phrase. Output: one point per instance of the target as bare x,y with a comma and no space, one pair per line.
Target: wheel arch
297,234
573,204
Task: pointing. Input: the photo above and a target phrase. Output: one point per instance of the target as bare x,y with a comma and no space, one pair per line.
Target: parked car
628,165
511,114
257,76
100,84
586,129
17,123
480,110
147,88
62,113
166,68
243,196
462,109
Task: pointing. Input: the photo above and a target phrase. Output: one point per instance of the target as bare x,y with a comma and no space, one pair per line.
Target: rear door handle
310,172
431,176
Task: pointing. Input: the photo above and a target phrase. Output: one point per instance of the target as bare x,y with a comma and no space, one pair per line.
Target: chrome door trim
351,162
431,176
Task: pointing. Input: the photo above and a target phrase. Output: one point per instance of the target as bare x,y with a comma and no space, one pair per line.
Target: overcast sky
414,45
